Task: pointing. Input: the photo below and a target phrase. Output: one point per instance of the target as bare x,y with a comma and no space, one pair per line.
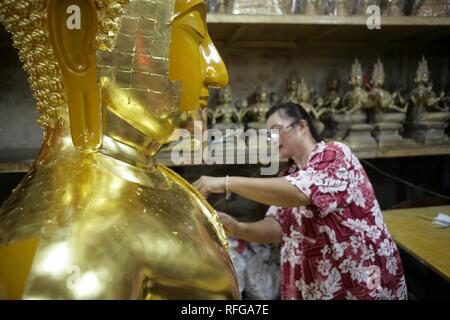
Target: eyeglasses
274,133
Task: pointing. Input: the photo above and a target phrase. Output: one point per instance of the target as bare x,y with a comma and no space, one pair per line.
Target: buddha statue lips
90,220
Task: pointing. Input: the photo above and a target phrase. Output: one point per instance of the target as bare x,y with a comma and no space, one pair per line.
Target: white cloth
442,220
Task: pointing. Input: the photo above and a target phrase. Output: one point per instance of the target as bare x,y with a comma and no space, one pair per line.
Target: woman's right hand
232,226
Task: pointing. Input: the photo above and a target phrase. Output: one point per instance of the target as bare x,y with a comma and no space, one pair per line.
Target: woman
334,243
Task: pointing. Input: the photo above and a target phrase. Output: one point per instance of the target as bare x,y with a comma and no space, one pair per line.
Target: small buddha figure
311,7
257,111
242,110
386,115
427,114
356,100
225,116
312,103
304,94
393,8
333,118
292,90
341,8
380,100
96,217
356,103
333,98
221,6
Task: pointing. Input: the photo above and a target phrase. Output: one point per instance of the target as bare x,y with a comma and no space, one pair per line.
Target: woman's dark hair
295,112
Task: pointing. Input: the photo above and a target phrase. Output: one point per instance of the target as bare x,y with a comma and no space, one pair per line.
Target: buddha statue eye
195,33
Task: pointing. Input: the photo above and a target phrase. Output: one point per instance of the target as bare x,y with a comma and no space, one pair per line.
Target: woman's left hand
207,185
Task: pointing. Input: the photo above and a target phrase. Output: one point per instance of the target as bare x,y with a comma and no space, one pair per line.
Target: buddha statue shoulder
92,219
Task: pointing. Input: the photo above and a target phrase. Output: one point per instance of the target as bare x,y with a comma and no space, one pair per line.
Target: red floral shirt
338,247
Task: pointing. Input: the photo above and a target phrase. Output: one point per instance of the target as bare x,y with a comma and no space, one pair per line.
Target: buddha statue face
194,60
129,70
224,97
333,84
292,85
262,96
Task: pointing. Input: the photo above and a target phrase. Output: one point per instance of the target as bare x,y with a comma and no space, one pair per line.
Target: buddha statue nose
216,71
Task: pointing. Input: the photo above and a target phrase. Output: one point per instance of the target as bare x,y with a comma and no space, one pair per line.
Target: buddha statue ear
72,26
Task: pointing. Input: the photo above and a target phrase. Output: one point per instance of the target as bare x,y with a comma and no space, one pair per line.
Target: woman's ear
72,26
303,126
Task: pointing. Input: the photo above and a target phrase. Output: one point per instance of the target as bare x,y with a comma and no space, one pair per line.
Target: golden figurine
333,99
92,220
242,109
387,116
334,113
356,103
341,8
221,6
427,115
311,7
257,111
225,112
304,93
393,8
311,103
379,99
292,90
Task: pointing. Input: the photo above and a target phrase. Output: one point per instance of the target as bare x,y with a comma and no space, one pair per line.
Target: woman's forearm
267,230
269,191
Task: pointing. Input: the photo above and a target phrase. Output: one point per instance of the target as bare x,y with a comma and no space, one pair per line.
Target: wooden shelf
19,161
291,31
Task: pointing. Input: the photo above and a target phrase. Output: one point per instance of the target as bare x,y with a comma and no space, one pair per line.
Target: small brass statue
292,90
257,111
312,104
335,127
225,116
428,113
333,99
356,103
311,7
243,109
393,8
386,115
341,8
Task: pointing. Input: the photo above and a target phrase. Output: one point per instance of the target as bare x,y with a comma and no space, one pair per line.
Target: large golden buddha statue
92,219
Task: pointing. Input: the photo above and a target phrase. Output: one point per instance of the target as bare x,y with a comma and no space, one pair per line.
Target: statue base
337,126
429,129
360,137
387,130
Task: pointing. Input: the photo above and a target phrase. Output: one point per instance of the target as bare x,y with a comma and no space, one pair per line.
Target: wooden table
420,238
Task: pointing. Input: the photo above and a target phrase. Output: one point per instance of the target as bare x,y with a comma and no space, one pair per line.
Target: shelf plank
214,18
290,31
